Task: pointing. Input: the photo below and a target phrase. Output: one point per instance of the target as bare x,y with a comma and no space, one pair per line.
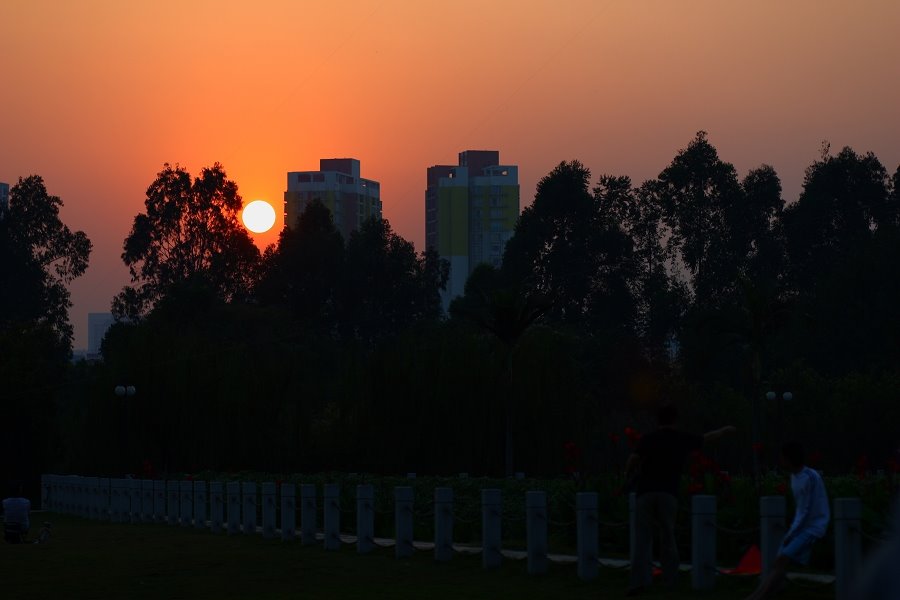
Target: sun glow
258,216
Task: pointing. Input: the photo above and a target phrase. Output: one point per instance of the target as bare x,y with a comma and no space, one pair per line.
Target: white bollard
56,493
94,488
588,524
536,531
847,545
62,494
90,496
81,494
83,497
703,542
403,521
117,501
772,513
332,519
134,500
632,526
288,511
307,514
146,500
365,518
234,507
216,506
72,484
45,492
491,518
268,510
124,501
159,501
200,505
248,491
69,502
173,495
443,523
75,501
105,485
186,489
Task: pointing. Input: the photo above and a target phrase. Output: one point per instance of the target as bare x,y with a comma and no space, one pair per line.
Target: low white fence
234,507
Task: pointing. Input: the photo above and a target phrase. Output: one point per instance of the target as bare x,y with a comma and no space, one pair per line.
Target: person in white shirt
810,520
15,517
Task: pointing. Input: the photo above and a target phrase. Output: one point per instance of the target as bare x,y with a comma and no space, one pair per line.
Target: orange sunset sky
97,95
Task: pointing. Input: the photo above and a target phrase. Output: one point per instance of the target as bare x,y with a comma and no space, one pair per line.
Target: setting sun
258,216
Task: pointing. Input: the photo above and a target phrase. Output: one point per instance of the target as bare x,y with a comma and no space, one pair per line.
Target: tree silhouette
190,231
386,285
41,256
659,299
303,272
841,237
697,193
506,313
566,248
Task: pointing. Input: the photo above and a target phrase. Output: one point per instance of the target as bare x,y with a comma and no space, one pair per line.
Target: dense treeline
699,286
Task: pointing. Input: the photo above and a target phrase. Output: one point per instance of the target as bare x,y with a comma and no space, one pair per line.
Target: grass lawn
87,559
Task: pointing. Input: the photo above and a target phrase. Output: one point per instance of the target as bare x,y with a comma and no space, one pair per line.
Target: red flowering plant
815,459
893,465
147,470
862,467
633,436
572,455
704,473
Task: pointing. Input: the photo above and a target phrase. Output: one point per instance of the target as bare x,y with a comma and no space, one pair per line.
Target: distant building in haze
470,213
98,324
4,197
350,198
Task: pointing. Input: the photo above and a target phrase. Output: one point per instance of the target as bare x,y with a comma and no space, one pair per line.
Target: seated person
15,516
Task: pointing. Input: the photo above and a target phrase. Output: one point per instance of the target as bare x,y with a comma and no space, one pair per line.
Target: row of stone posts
234,507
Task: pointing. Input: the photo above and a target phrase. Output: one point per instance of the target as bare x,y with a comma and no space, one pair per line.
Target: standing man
810,520
657,462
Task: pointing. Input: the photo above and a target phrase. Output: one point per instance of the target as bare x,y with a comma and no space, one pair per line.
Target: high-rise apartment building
4,196
98,324
350,198
470,213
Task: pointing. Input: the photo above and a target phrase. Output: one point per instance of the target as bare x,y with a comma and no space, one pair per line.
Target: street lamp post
124,391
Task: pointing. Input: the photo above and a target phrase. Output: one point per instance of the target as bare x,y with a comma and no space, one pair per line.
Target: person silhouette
656,466
810,520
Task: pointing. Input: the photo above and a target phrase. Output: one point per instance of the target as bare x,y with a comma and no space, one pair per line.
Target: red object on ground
750,563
